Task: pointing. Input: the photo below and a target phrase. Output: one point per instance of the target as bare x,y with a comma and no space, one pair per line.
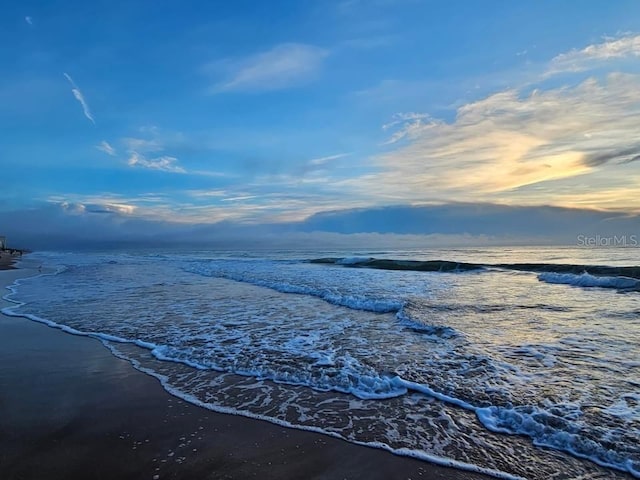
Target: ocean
516,362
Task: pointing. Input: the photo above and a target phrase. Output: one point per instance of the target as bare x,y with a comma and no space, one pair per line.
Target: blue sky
269,112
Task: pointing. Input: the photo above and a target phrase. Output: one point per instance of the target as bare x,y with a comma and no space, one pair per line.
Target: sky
147,116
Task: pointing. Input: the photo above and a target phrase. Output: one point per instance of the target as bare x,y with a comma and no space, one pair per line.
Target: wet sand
71,410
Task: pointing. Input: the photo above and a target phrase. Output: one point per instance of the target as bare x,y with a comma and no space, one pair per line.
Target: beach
72,410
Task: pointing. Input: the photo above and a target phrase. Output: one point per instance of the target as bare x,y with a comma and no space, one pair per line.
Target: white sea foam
545,358
549,430
588,280
353,260
406,452
442,331
350,376
627,407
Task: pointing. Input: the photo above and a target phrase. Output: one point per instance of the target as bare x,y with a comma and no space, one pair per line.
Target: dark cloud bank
53,227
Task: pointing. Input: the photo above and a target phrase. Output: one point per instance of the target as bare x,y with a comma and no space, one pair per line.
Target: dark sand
71,410
6,262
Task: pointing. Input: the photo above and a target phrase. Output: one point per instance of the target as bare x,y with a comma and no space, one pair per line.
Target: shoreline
72,410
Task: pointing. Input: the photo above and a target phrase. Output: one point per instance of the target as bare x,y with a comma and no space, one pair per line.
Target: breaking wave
588,280
603,276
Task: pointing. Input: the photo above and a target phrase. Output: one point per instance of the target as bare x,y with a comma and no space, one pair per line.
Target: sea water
520,363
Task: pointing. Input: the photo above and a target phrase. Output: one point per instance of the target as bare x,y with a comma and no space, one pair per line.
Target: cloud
163,163
316,162
146,145
402,117
29,20
109,223
238,199
475,219
110,208
593,55
310,169
286,65
74,208
619,155
148,152
105,147
78,95
411,124
508,140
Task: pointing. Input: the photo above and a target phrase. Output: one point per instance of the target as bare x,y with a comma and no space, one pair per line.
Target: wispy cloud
206,206
411,122
285,65
29,20
154,148
146,145
239,199
113,208
105,147
403,117
316,162
579,60
214,193
80,97
148,152
75,205
164,163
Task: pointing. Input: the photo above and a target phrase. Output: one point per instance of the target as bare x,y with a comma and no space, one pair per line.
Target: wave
588,280
353,260
542,425
628,277
349,376
439,331
413,265
401,307
354,302
576,269
547,429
